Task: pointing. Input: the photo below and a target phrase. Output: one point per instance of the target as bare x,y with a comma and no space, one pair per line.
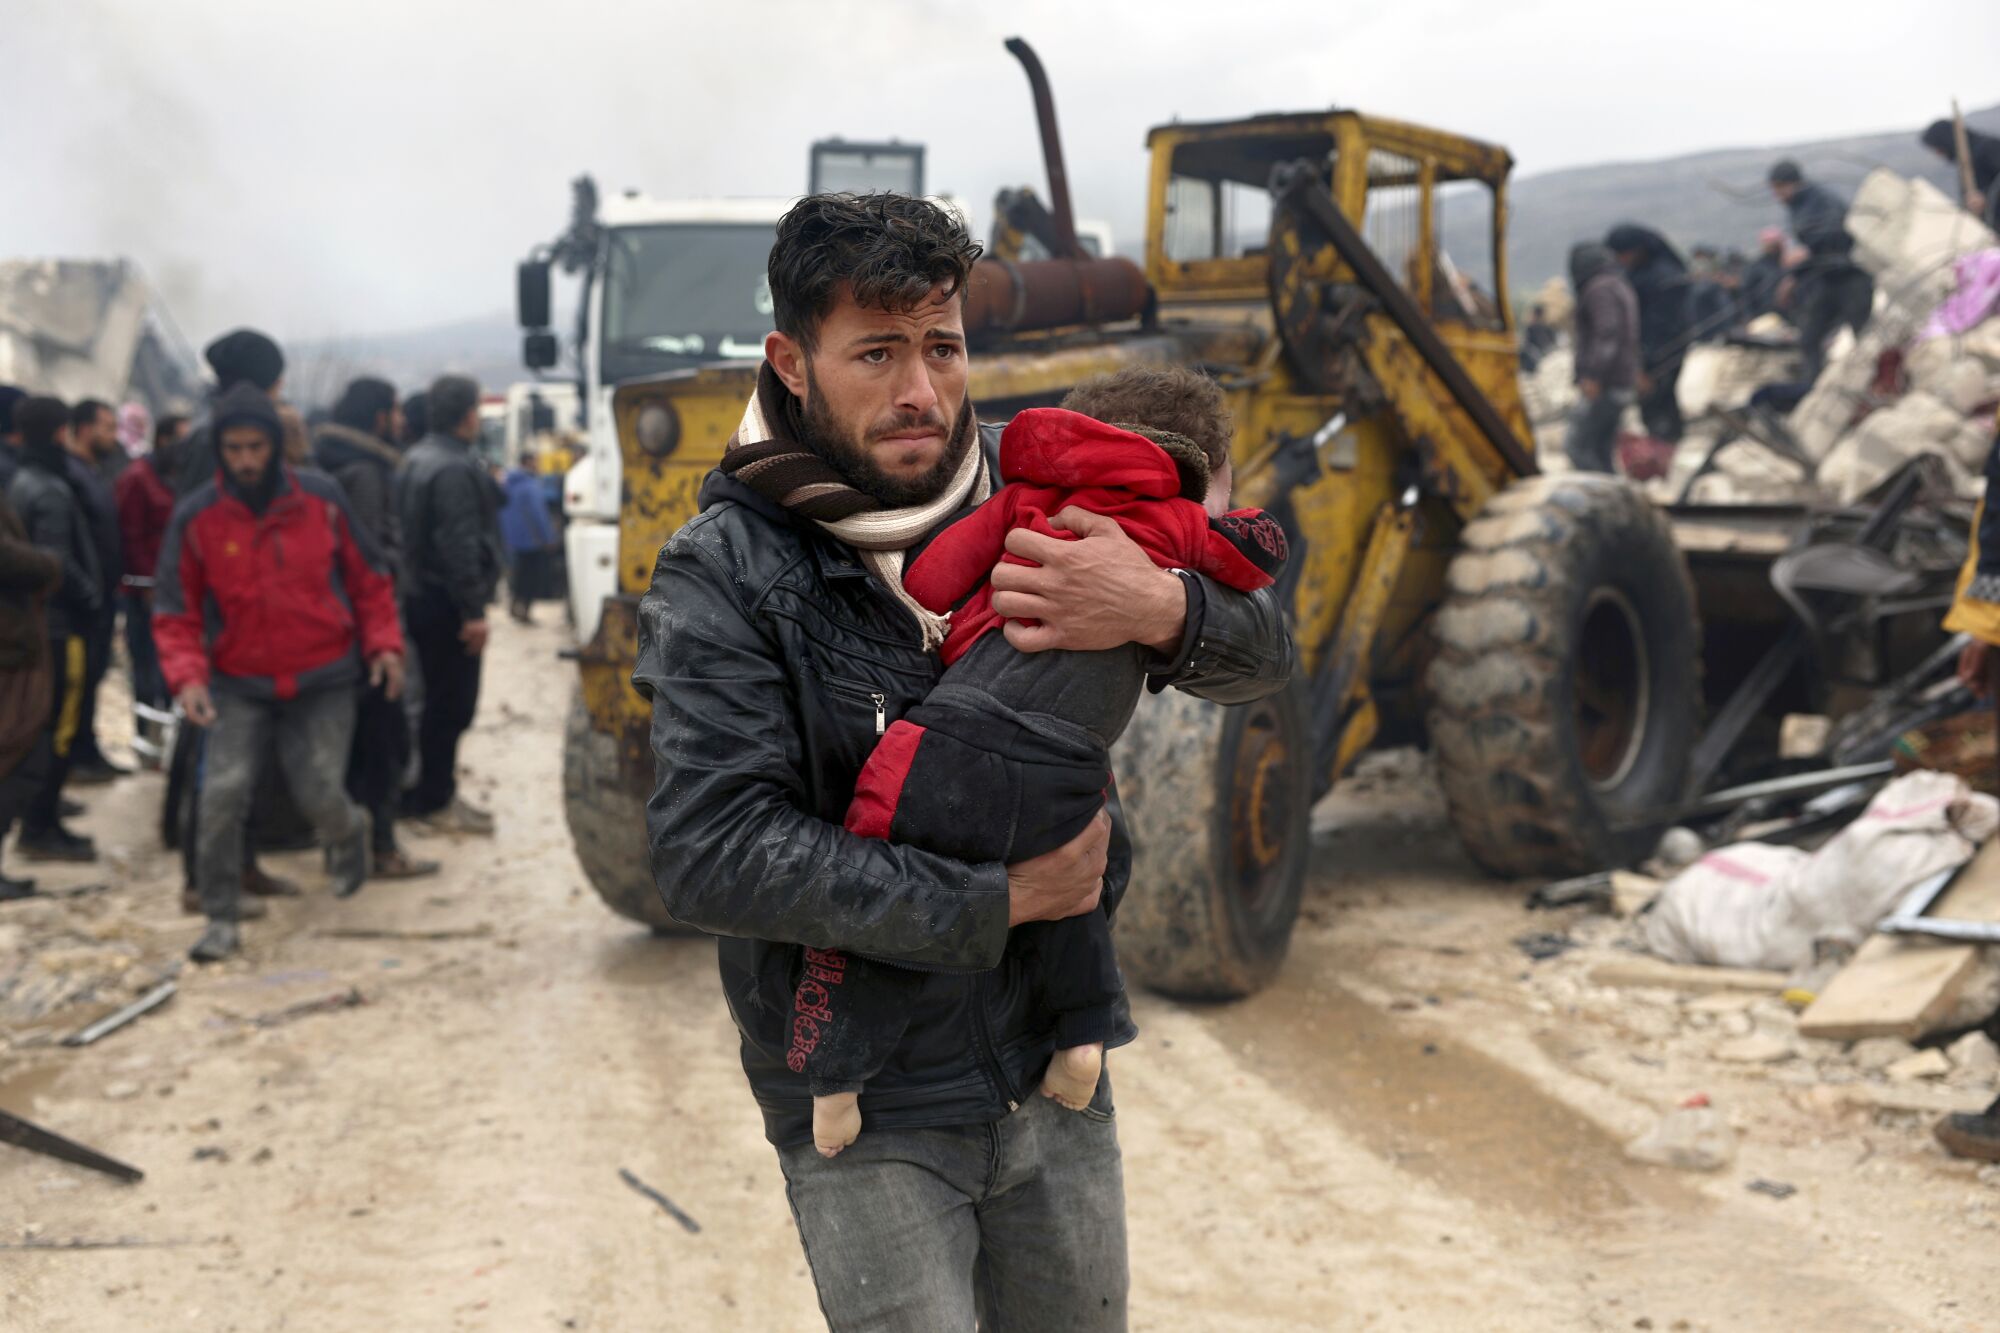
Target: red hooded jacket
277,602
1052,460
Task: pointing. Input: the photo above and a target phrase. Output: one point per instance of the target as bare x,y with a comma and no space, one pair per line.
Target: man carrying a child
776,645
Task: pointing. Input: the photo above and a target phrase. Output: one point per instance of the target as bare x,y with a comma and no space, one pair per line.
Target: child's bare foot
1072,1076
836,1122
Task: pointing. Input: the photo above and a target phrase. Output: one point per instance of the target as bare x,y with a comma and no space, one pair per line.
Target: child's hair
1184,405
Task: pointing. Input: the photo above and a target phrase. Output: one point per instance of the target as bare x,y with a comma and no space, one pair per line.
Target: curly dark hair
896,251
1171,398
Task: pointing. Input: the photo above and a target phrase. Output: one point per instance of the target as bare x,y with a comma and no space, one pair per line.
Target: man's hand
1100,591
473,635
1589,389
1645,383
1972,663
1063,883
1975,204
385,671
195,703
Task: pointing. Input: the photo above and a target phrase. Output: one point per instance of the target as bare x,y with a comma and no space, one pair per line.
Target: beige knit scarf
789,475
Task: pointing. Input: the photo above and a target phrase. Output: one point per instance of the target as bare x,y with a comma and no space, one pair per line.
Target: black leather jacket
773,661
58,521
448,511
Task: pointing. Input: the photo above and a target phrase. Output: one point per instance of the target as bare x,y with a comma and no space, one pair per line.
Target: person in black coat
450,513
1659,277
354,448
57,521
1984,150
1829,288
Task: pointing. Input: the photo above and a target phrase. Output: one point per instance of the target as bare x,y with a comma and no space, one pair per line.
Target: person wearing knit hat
246,356
241,356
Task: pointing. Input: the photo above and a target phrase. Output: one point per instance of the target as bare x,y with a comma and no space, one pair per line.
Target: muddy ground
1416,1128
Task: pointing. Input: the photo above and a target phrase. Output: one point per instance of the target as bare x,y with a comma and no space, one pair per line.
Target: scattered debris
1684,976
1758,1048
26,1134
1541,945
105,1026
1757,905
1931,1063
211,1152
673,1209
1777,1189
1975,1056
478,932
115,1243
1691,1137
1872,1055
1898,986
347,999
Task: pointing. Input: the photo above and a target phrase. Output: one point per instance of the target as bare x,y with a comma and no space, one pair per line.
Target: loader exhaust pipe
1052,154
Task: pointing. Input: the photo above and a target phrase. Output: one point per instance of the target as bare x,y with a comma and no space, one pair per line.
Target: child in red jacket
1008,756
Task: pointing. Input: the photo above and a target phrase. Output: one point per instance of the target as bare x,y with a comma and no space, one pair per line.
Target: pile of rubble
1924,378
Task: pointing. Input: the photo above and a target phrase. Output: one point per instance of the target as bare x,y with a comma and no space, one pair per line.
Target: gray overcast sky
359,166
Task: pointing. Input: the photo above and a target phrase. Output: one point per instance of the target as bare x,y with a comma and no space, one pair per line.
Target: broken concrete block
1974,1058
1719,375
1907,232
1931,1063
1874,1054
1915,424
1757,1048
1803,735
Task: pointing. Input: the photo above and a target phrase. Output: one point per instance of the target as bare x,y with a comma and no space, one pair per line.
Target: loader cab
1431,205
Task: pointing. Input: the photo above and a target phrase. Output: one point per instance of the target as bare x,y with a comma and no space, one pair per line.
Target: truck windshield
682,294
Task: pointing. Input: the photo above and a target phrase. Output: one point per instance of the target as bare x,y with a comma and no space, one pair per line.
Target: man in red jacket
267,602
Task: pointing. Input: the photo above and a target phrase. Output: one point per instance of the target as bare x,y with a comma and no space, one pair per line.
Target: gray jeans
1593,429
1017,1225
313,734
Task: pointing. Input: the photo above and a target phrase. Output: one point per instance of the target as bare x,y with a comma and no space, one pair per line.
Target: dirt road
1416,1129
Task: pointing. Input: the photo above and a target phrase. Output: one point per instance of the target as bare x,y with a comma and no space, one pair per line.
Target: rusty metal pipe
1052,155
1006,297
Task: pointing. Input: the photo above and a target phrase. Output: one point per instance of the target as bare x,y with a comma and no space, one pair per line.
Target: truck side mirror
539,350
531,287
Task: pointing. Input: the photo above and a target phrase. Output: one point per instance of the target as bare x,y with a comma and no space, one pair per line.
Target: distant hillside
1716,197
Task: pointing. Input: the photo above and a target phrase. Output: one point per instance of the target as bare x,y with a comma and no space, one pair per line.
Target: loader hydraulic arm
1469,448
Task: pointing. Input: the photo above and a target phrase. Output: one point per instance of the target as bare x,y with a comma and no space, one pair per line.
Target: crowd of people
306,603
1640,307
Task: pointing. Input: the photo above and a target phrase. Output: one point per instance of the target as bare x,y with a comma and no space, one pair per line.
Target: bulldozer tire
608,825
1218,803
1564,697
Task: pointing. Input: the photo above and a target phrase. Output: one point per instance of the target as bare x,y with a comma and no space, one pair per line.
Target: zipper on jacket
982,1036
881,702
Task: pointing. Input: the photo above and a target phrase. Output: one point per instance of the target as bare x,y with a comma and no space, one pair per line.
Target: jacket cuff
989,882
1164,670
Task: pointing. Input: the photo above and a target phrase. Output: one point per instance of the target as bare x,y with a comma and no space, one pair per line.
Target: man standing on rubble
1829,289
268,604
1607,355
449,511
93,437
1659,278
774,646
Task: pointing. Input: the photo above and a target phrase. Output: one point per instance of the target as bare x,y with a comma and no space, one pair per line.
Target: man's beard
825,436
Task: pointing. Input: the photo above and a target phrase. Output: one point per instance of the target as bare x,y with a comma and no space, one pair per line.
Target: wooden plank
1684,976
1900,986
1890,988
